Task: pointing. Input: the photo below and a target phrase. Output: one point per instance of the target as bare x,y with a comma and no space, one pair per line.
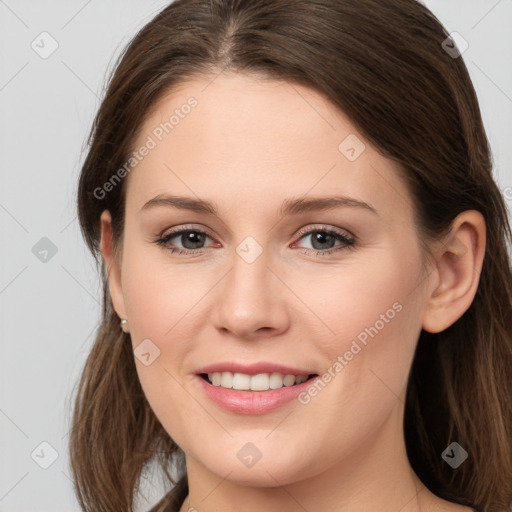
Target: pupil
192,240
322,238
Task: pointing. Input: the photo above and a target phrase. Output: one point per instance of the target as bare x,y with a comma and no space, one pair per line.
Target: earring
124,324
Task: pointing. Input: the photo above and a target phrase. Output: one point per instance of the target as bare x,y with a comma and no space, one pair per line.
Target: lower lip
252,402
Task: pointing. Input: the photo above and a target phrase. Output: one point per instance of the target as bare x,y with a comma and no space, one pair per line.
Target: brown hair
383,64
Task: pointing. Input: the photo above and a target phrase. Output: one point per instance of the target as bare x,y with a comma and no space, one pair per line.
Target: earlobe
458,267
111,264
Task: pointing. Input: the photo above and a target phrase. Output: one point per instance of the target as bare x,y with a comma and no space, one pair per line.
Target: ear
457,273
111,263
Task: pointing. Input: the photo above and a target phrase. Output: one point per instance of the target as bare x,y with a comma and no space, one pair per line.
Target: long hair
383,64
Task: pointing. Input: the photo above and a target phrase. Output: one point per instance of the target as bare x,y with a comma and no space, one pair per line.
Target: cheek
374,312
159,295
375,318
159,301
367,299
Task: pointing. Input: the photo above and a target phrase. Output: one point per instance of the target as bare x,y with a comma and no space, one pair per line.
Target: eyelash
346,242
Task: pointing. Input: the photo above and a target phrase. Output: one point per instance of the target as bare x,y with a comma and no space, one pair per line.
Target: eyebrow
289,207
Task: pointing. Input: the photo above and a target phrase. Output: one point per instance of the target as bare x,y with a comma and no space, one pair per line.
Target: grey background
49,309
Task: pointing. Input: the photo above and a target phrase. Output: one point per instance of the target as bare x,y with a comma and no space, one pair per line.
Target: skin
247,146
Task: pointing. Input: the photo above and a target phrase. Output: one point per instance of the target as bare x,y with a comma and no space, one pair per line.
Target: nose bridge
248,284
249,298
249,275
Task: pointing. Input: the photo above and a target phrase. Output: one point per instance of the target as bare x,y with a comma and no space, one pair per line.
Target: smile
259,382
253,389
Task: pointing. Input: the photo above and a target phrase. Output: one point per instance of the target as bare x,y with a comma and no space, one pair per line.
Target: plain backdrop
49,290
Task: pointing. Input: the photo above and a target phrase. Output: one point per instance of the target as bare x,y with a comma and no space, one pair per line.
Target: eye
191,240
323,241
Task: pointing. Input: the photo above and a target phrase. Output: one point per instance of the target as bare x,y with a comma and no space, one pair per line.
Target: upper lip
253,368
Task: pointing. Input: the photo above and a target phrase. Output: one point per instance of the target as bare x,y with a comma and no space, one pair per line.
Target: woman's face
271,281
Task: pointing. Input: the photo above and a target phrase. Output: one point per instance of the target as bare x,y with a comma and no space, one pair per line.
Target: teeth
289,380
240,381
226,379
260,382
301,379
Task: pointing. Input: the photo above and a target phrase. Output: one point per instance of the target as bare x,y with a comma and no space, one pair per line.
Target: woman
307,292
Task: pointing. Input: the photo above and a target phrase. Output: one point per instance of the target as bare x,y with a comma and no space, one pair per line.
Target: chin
273,469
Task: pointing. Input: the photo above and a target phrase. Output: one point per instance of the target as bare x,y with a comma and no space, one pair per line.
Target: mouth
259,382
255,389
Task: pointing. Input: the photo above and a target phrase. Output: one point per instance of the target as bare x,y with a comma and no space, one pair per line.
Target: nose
251,300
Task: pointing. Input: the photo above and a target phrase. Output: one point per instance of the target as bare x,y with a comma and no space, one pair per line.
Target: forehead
240,137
